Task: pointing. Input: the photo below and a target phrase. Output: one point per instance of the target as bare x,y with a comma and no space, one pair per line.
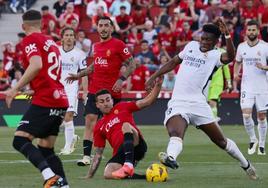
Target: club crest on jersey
108,53
72,59
259,53
116,112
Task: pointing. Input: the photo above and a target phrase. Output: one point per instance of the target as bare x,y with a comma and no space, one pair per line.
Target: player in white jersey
73,59
188,103
253,54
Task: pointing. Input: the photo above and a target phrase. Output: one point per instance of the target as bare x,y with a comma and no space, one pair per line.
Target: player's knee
220,142
91,120
126,128
19,142
107,174
46,152
247,118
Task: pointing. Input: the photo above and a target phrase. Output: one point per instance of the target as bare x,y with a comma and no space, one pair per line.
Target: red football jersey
138,78
108,58
48,91
110,126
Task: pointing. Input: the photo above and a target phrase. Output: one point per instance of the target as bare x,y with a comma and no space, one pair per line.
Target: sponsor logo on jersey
101,61
110,124
72,59
259,53
30,48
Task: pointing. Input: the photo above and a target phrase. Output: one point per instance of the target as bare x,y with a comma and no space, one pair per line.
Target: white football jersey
195,72
253,79
72,61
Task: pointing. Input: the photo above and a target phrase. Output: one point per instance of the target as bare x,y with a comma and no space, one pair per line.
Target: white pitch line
74,160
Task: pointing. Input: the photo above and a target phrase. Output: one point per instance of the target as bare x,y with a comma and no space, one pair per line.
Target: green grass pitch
202,164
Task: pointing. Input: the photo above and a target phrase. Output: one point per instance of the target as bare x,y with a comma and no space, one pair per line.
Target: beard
252,37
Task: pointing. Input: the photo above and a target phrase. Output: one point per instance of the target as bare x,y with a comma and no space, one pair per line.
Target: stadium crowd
154,30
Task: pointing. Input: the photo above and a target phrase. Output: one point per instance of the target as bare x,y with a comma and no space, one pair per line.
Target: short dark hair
144,41
101,92
31,15
123,7
253,22
105,18
66,29
212,28
21,35
45,7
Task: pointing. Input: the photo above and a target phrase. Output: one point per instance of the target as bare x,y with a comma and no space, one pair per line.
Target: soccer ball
156,173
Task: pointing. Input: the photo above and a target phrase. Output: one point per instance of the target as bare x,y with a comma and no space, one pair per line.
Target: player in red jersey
41,60
113,63
118,127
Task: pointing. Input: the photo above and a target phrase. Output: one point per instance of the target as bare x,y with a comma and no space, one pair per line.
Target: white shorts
196,113
247,100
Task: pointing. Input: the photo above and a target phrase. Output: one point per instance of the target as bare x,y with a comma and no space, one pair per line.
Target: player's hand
71,78
84,98
229,86
87,177
237,78
117,87
10,94
222,26
261,66
235,90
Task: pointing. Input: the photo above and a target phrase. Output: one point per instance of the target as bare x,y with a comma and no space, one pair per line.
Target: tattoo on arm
130,67
96,161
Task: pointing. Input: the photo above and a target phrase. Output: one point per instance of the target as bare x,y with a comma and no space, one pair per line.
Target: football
156,173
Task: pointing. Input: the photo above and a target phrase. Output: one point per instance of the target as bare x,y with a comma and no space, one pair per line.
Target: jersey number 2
52,58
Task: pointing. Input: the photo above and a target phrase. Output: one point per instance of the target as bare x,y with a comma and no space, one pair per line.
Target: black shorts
42,122
91,108
139,153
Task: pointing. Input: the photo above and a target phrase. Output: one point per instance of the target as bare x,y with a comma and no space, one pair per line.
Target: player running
118,127
42,63
188,103
73,59
253,54
112,64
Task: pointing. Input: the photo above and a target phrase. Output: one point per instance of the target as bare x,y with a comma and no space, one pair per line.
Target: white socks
69,133
174,147
47,173
234,151
249,126
262,129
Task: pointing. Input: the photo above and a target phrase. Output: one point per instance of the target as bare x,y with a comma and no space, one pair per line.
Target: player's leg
131,139
176,127
246,102
91,117
46,147
214,132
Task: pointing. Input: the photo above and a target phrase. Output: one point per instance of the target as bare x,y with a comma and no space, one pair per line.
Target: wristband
122,78
227,36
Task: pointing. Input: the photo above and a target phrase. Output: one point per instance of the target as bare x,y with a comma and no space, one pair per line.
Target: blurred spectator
185,36
14,68
17,77
124,21
60,7
46,17
248,12
139,17
133,38
9,55
136,82
94,5
115,7
147,57
263,19
167,39
147,4
18,48
230,13
149,33
100,13
52,30
156,46
164,3
163,17
169,81
86,46
213,12
4,84
66,18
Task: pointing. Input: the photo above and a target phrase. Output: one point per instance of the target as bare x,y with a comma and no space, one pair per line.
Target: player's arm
128,66
229,55
237,68
227,76
164,69
152,96
85,86
85,72
95,162
35,64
